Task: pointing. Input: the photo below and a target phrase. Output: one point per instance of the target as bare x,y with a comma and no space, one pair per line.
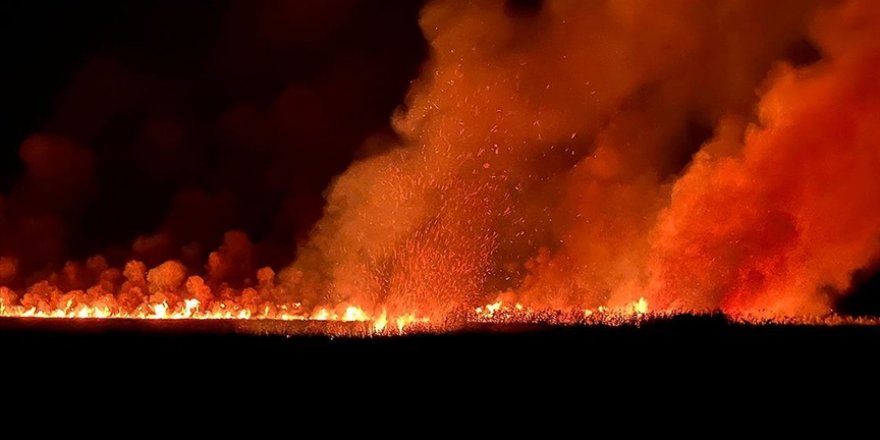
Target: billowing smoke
576,154
557,154
777,220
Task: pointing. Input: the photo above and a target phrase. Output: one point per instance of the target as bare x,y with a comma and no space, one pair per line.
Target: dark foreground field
490,375
709,346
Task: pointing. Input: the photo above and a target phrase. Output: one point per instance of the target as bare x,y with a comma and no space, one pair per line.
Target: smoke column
576,154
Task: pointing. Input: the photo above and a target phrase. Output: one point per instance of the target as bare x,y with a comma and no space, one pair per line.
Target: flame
321,315
190,306
381,322
501,310
407,320
640,307
160,311
354,313
191,309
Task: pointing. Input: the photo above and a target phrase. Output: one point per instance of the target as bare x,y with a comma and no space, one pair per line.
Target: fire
190,306
553,179
408,319
504,309
640,307
321,315
76,305
192,309
489,310
381,322
354,313
160,311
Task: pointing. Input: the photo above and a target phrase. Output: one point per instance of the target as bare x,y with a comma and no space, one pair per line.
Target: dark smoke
148,129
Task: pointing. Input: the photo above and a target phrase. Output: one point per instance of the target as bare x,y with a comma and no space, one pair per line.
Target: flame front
78,305
192,309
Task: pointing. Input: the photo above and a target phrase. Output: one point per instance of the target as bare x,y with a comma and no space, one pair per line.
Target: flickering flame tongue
547,168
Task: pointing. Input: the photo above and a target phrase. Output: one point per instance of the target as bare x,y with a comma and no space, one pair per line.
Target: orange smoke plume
541,155
778,223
